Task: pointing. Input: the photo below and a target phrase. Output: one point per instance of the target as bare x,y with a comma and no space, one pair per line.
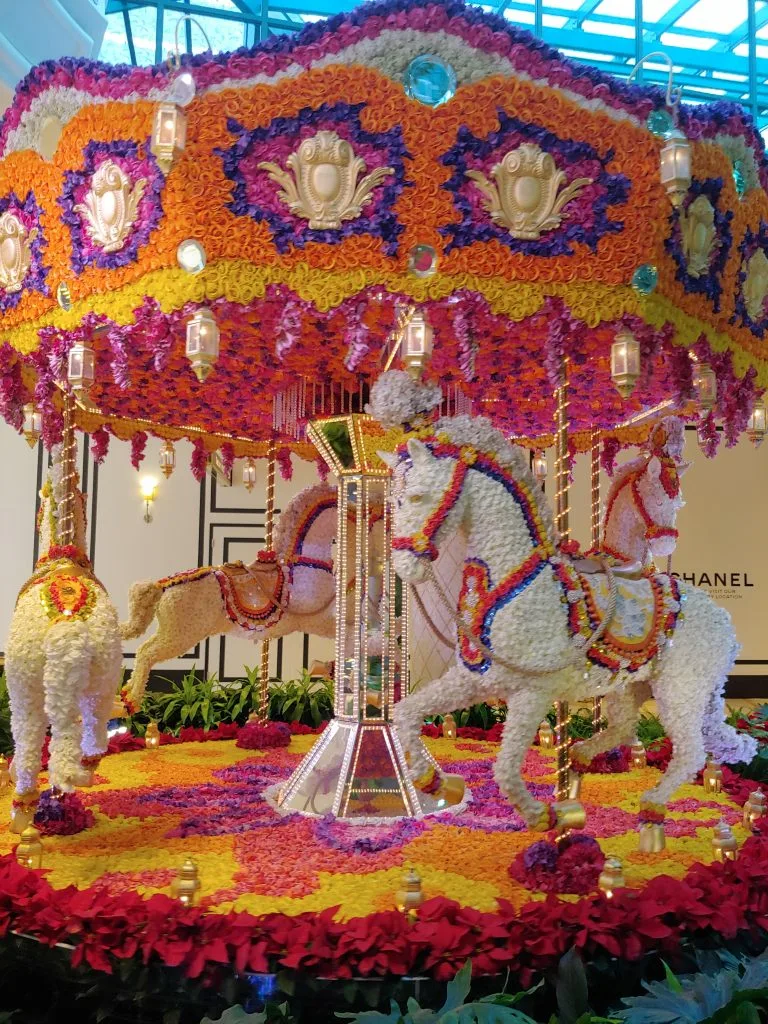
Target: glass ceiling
719,47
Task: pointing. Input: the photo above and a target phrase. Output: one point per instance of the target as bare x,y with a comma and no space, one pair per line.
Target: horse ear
653,469
388,458
419,452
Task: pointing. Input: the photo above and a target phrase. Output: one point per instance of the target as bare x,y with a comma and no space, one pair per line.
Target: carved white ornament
15,252
756,285
111,206
526,198
699,237
324,187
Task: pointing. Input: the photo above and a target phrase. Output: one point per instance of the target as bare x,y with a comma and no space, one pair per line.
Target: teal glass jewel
739,179
645,279
660,122
430,80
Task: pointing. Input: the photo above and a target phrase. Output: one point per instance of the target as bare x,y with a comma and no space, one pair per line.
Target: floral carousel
419,248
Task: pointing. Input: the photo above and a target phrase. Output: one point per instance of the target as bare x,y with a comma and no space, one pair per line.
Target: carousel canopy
405,155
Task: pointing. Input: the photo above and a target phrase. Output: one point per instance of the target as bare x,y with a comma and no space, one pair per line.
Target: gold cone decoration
639,756
546,736
187,883
410,897
652,837
29,852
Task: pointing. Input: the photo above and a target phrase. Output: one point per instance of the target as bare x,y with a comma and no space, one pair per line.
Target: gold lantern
754,808
625,362
187,883
202,342
81,367
33,424
652,837
167,458
756,426
418,338
5,774
449,727
29,852
546,735
724,844
249,474
169,134
152,735
539,467
410,897
676,165
639,756
705,386
611,877
712,777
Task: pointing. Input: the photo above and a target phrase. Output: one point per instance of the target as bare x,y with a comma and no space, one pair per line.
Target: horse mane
478,432
294,512
624,471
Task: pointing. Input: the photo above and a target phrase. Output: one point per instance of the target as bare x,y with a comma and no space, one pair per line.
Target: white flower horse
290,589
532,629
63,661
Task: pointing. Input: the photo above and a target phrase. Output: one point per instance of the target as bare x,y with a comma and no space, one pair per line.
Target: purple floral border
709,284
752,241
150,206
382,222
37,273
614,190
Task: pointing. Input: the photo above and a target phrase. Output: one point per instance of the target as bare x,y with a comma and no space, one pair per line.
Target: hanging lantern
676,166
705,386
756,426
186,885
81,367
410,897
202,342
169,134
539,467
625,362
249,474
33,424
167,458
417,343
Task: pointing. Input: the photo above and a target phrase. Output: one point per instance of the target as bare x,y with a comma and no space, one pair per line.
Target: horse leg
691,669
97,702
622,710
68,656
526,708
24,677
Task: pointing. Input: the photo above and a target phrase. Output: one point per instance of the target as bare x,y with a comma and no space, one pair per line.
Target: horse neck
624,529
513,515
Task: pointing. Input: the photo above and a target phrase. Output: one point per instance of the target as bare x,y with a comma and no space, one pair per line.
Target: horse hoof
83,779
447,790
545,820
569,814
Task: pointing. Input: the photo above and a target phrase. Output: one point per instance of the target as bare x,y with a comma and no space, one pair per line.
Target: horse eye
415,498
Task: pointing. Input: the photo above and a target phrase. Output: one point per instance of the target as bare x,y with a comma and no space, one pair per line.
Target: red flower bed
258,736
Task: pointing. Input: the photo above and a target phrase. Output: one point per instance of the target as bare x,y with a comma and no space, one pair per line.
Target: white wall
193,524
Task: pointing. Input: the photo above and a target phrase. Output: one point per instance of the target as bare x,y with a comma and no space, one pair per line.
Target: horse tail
143,599
720,739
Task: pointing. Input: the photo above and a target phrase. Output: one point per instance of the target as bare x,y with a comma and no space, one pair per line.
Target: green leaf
457,990
172,1016
237,1015
671,978
571,988
372,1016
746,1013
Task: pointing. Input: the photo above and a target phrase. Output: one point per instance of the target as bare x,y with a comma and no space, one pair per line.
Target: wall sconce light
625,362
675,156
202,342
249,474
33,424
149,494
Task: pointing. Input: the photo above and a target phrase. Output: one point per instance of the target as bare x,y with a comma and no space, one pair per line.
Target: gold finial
611,877
546,735
187,883
152,735
639,756
754,808
449,727
410,897
712,777
29,852
724,842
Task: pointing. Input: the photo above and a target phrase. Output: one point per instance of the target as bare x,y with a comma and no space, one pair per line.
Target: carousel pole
69,473
597,704
269,526
562,526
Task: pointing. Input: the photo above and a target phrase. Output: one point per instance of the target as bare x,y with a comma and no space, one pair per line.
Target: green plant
649,728
734,995
271,1014
304,700
6,739
195,702
243,696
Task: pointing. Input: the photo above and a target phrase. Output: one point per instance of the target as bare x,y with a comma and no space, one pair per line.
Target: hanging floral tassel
322,469
611,449
99,445
11,387
227,458
285,464
357,337
138,444
709,439
199,460
290,329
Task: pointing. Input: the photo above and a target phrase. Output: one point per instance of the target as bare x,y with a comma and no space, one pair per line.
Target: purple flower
541,855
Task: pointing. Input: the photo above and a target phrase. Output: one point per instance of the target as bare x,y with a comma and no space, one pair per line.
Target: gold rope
66,527
597,703
269,525
562,524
